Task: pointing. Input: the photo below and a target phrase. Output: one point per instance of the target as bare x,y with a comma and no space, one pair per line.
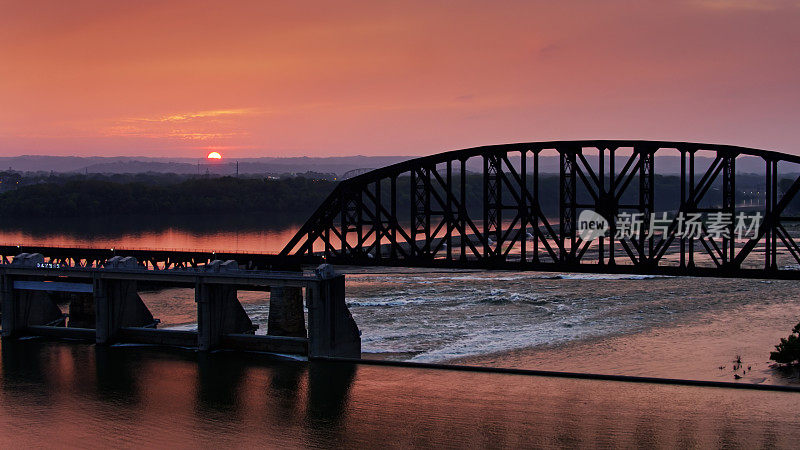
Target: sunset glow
364,77
466,224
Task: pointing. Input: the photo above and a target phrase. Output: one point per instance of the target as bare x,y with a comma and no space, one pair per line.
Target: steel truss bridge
428,212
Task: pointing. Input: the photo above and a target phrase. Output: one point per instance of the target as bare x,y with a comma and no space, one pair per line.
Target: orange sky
260,78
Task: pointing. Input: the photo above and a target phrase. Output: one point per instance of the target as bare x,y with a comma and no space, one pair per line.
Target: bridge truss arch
516,206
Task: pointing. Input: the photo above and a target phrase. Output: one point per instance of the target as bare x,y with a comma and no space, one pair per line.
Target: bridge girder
429,211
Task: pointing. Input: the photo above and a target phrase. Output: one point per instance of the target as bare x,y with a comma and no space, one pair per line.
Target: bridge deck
157,259
286,265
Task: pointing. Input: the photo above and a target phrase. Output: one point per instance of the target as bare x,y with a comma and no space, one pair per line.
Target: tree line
88,197
93,195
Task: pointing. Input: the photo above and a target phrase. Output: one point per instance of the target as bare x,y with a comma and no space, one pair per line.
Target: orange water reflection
234,239
81,395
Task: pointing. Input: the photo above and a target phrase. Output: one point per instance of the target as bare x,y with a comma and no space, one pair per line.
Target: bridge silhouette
420,213
485,208
497,207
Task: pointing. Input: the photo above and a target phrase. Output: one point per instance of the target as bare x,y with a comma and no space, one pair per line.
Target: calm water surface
235,233
79,395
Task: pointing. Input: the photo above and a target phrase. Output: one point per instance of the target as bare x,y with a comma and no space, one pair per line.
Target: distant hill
133,164
35,163
269,166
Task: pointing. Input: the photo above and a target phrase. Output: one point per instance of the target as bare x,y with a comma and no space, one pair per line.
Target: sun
214,155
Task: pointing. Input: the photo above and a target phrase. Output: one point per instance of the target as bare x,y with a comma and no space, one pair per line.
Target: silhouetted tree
788,351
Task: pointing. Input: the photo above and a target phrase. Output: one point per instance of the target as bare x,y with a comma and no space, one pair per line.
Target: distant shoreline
91,197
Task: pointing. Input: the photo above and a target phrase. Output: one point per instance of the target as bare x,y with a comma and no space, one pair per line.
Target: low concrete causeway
105,306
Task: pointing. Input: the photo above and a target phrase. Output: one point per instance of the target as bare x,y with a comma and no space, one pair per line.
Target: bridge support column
117,305
331,329
24,308
81,310
7,307
286,316
219,312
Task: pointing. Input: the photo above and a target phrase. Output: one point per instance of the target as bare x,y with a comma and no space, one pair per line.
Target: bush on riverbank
788,351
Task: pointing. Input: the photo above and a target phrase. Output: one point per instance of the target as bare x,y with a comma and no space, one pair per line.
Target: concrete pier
286,316
109,296
29,308
117,306
219,313
81,310
332,330
26,308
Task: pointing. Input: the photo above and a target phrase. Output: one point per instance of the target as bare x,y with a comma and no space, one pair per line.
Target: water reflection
76,394
266,233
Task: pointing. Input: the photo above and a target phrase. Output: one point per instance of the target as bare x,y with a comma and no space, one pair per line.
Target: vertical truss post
646,181
771,253
420,210
359,202
462,211
729,205
329,250
378,224
393,220
612,188
601,192
449,216
767,212
567,201
682,206
351,221
777,220
427,189
344,224
691,206
523,209
414,211
768,241
536,199
492,204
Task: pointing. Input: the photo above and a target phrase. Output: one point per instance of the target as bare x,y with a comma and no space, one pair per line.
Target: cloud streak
218,126
747,5
192,116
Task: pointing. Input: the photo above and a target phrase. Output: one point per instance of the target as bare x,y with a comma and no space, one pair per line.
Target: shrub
788,351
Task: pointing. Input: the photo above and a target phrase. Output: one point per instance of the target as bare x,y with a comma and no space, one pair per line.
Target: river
82,396
674,327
